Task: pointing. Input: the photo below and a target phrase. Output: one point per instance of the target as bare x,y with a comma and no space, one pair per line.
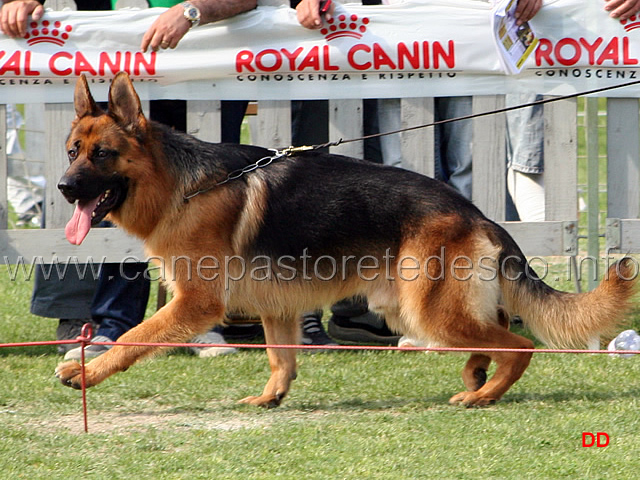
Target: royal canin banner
412,49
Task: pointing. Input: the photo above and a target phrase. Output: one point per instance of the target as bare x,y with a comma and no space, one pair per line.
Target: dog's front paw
265,401
69,374
471,399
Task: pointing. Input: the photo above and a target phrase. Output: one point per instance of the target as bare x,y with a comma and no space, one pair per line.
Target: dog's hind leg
474,374
184,317
511,365
278,331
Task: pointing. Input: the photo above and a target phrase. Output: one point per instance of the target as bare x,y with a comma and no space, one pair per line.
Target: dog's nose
68,188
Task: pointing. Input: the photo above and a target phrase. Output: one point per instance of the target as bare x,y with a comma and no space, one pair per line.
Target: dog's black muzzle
69,189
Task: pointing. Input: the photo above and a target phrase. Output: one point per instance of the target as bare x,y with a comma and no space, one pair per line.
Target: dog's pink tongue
80,224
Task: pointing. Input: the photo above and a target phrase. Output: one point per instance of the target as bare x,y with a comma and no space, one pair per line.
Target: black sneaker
243,331
313,332
69,329
365,328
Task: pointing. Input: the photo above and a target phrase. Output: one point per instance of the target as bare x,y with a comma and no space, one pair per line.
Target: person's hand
14,16
622,9
309,16
526,10
167,30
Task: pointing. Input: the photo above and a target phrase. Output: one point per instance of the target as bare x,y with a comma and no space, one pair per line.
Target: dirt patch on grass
123,422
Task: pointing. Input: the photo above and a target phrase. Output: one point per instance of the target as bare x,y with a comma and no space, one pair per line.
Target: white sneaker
406,342
211,337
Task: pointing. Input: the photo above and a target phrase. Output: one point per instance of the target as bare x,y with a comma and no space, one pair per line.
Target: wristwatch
191,13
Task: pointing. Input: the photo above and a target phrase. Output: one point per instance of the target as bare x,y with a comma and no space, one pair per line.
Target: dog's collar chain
234,174
263,162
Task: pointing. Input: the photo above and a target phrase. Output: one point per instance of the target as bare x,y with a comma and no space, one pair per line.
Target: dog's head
102,148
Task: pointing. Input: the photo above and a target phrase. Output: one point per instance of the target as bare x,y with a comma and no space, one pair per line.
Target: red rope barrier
80,340
85,340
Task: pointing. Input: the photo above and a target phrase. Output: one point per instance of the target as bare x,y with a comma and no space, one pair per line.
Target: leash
478,115
290,151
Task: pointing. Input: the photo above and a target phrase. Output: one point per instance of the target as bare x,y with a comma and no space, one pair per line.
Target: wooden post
417,145
489,158
273,124
623,155
57,116
345,121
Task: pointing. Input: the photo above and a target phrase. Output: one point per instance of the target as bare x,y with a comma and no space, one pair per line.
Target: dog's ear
82,99
124,104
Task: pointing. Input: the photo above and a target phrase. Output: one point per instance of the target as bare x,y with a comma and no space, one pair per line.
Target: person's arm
309,16
171,26
15,13
622,9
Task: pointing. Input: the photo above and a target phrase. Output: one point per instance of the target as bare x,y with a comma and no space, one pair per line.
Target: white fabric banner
412,49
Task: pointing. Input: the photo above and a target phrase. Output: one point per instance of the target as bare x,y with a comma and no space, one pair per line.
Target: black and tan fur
303,208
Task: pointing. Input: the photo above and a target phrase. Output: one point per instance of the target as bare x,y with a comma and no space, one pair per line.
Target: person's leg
65,297
313,332
232,112
453,159
119,304
169,112
121,298
525,157
310,126
309,122
371,126
527,191
455,142
62,296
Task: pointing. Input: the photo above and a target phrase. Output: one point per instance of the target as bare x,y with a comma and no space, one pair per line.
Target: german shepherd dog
306,231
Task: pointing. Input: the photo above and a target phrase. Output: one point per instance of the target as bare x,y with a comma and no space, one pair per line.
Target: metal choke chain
263,162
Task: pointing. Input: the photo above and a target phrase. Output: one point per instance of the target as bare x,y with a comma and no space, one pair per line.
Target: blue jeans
453,143
525,135
120,300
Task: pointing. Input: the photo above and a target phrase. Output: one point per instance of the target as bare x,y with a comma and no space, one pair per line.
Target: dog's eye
101,154
72,154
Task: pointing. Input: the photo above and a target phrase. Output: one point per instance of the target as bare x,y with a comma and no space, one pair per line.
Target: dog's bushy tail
562,319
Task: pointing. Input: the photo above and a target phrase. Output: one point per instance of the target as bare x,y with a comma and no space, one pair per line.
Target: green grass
349,415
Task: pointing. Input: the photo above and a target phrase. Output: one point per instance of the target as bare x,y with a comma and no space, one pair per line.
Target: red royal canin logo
46,32
631,24
345,26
